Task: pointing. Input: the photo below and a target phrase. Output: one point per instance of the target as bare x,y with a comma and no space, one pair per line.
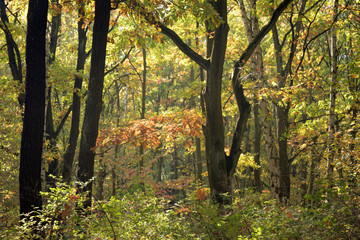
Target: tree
220,166
12,50
75,119
93,104
332,94
34,116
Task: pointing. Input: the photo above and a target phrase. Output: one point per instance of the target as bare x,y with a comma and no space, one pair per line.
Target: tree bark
33,125
93,104
75,119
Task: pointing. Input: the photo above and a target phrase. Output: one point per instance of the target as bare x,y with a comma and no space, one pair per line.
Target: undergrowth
144,215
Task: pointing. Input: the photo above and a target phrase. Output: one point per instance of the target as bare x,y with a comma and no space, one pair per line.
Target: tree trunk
332,96
93,104
282,132
51,135
214,133
14,55
160,163
175,162
257,148
101,179
198,160
33,125
143,107
75,120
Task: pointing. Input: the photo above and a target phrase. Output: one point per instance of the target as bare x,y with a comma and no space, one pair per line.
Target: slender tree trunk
313,173
252,28
282,132
75,120
51,135
14,55
160,163
303,178
198,160
117,147
332,96
93,104
101,179
175,162
33,126
143,106
257,148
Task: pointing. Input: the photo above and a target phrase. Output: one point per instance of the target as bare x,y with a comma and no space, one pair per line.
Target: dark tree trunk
33,127
93,104
214,129
75,120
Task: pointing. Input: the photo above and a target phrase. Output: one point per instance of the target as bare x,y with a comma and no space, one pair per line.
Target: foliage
145,215
153,202
60,218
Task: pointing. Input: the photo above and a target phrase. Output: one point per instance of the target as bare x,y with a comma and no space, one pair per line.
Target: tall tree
220,166
51,134
33,127
93,104
75,119
332,94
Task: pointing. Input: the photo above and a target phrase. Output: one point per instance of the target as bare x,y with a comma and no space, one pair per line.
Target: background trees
260,125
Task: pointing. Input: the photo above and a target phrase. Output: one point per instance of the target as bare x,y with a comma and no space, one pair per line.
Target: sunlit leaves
151,132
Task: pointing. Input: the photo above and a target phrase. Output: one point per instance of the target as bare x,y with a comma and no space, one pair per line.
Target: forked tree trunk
220,167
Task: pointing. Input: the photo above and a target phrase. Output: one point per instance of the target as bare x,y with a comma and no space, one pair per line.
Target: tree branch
150,18
257,39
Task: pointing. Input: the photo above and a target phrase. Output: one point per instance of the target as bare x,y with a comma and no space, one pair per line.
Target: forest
174,119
